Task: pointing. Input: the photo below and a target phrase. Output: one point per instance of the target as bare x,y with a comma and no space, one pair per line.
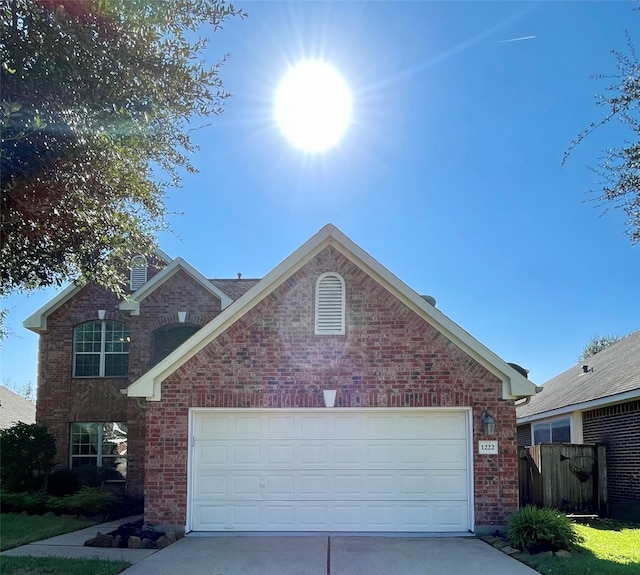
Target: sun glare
313,106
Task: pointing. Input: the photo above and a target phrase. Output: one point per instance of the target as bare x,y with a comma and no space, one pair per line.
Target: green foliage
598,343
59,566
537,529
87,501
28,453
16,530
32,503
619,169
96,100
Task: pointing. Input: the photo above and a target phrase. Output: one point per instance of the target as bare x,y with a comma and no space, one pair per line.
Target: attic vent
330,299
138,274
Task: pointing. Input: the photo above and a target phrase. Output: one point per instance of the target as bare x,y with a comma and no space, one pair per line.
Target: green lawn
609,547
16,530
59,566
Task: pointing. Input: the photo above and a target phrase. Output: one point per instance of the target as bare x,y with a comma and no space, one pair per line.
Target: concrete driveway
290,555
334,555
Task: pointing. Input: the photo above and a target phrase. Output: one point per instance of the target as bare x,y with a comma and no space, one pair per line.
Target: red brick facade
270,357
618,428
63,399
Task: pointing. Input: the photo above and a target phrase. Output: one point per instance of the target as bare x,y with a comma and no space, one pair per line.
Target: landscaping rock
134,542
100,540
562,553
148,544
117,541
163,542
171,536
543,553
509,550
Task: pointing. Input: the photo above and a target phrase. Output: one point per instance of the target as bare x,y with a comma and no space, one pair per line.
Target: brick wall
618,428
270,357
63,399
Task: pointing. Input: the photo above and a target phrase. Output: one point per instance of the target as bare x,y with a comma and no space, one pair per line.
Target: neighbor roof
14,408
514,384
613,375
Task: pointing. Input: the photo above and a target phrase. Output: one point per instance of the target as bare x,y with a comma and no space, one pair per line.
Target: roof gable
514,383
37,321
612,374
132,304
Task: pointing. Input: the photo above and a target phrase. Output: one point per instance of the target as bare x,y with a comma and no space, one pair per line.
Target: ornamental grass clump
535,530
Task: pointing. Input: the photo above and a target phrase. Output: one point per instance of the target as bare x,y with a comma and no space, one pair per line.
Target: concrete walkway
291,555
72,545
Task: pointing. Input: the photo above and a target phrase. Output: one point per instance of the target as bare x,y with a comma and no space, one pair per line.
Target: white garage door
330,470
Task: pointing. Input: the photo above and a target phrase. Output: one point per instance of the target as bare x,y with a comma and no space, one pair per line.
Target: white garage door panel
346,454
333,484
332,516
330,470
451,424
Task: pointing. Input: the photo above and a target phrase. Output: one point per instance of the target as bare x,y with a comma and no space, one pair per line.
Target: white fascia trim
37,321
132,303
514,385
584,406
149,385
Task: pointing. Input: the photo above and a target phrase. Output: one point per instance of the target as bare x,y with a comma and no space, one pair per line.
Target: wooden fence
571,478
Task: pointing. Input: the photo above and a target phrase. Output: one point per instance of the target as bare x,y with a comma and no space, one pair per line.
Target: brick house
595,403
206,396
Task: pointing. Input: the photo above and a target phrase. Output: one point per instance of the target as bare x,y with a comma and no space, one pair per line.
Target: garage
340,470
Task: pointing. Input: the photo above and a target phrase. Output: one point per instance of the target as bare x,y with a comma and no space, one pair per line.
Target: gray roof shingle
14,408
234,288
612,371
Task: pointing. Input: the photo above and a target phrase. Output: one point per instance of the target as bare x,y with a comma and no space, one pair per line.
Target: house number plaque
488,447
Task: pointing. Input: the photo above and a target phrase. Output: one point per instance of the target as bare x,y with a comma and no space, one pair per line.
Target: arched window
330,302
101,349
138,273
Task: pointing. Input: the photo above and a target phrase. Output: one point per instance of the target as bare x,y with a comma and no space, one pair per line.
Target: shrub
541,529
28,452
87,501
62,482
32,503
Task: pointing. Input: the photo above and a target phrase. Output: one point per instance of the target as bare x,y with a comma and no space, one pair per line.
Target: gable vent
330,299
138,274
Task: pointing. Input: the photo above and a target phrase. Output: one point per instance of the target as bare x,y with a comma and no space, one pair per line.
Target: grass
611,547
59,566
16,530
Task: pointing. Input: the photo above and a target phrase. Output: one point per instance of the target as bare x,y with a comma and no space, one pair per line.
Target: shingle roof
612,371
14,408
234,288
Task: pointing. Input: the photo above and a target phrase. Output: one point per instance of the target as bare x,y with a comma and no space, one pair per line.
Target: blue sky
450,174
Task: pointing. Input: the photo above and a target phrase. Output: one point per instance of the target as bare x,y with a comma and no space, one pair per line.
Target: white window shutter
330,305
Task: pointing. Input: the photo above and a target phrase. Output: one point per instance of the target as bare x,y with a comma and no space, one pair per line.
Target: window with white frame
558,431
100,444
330,305
101,349
138,272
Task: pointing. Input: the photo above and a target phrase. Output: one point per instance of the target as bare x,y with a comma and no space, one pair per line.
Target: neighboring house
15,409
597,401
206,396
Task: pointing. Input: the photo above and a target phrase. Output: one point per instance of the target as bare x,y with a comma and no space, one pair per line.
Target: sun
313,106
